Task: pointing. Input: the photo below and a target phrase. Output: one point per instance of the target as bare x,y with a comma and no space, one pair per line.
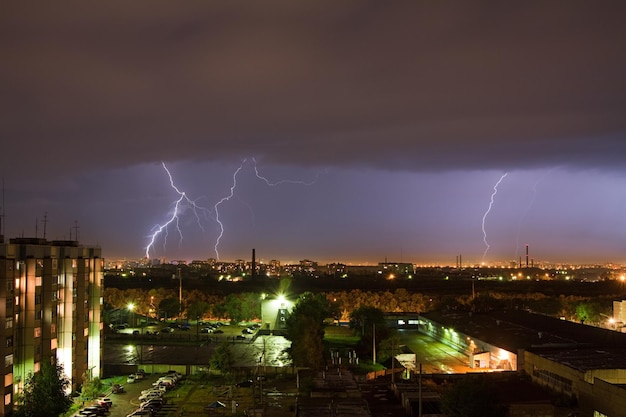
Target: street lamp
131,308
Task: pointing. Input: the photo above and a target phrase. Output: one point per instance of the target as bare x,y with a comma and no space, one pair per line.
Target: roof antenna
45,223
76,227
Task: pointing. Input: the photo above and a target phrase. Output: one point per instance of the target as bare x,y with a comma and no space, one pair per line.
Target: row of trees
247,306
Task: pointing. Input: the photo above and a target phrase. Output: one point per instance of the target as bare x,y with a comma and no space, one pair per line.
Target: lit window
7,399
9,323
37,367
8,360
8,379
37,331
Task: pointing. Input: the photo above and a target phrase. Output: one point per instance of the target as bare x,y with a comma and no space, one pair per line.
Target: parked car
99,410
153,404
206,330
105,402
117,388
130,379
149,396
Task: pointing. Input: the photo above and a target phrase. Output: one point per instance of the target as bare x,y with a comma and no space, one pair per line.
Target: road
435,357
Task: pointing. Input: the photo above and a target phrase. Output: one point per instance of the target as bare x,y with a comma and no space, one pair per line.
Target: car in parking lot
153,404
117,388
149,396
131,379
98,410
206,330
105,402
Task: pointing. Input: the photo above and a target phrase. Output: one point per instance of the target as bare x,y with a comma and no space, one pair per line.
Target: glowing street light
131,308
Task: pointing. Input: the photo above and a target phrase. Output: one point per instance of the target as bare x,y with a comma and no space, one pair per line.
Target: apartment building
50,306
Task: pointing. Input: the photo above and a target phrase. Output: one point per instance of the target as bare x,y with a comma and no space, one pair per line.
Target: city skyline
355,132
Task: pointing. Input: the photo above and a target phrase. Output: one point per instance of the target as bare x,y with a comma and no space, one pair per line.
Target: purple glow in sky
392,123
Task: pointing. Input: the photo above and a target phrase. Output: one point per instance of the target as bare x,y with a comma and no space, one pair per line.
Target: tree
46,393
366,320
198,309
306,331
471,397
170,307
92,386
222,358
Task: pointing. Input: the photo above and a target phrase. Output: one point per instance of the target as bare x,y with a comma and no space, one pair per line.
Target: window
7,399
38,315
37,298
37,332
8,360
8,379
9,323
9,341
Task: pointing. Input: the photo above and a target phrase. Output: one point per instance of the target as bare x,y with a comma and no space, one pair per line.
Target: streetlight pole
131,308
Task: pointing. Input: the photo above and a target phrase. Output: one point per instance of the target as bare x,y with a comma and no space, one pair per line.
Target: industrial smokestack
253,263
526,256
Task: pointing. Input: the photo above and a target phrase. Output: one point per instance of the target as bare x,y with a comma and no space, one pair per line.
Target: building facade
50,307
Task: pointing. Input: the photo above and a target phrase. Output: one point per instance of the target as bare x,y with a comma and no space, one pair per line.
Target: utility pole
393,361
180,294
374,343
419,383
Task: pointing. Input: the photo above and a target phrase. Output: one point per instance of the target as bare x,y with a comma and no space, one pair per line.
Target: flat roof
585,359
496,330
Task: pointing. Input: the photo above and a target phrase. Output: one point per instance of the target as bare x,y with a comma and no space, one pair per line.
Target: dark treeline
210,298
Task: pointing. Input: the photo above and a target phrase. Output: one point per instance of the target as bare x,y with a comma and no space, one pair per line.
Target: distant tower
253,263
526,256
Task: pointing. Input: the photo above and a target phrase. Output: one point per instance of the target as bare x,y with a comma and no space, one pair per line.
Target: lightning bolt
493,195
273,184
162,229
219,203
183,201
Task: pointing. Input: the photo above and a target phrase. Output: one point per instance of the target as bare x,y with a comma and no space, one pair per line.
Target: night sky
391,121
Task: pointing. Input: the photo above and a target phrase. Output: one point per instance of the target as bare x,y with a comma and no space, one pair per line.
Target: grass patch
340,336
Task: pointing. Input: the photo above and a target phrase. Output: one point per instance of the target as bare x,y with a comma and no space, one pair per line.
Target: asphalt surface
128,401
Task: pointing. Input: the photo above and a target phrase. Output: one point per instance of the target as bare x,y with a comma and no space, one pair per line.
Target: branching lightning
183,201
174,218
223,200
493,195
273,184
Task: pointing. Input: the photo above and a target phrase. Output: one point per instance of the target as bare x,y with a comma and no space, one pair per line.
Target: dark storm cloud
402,85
